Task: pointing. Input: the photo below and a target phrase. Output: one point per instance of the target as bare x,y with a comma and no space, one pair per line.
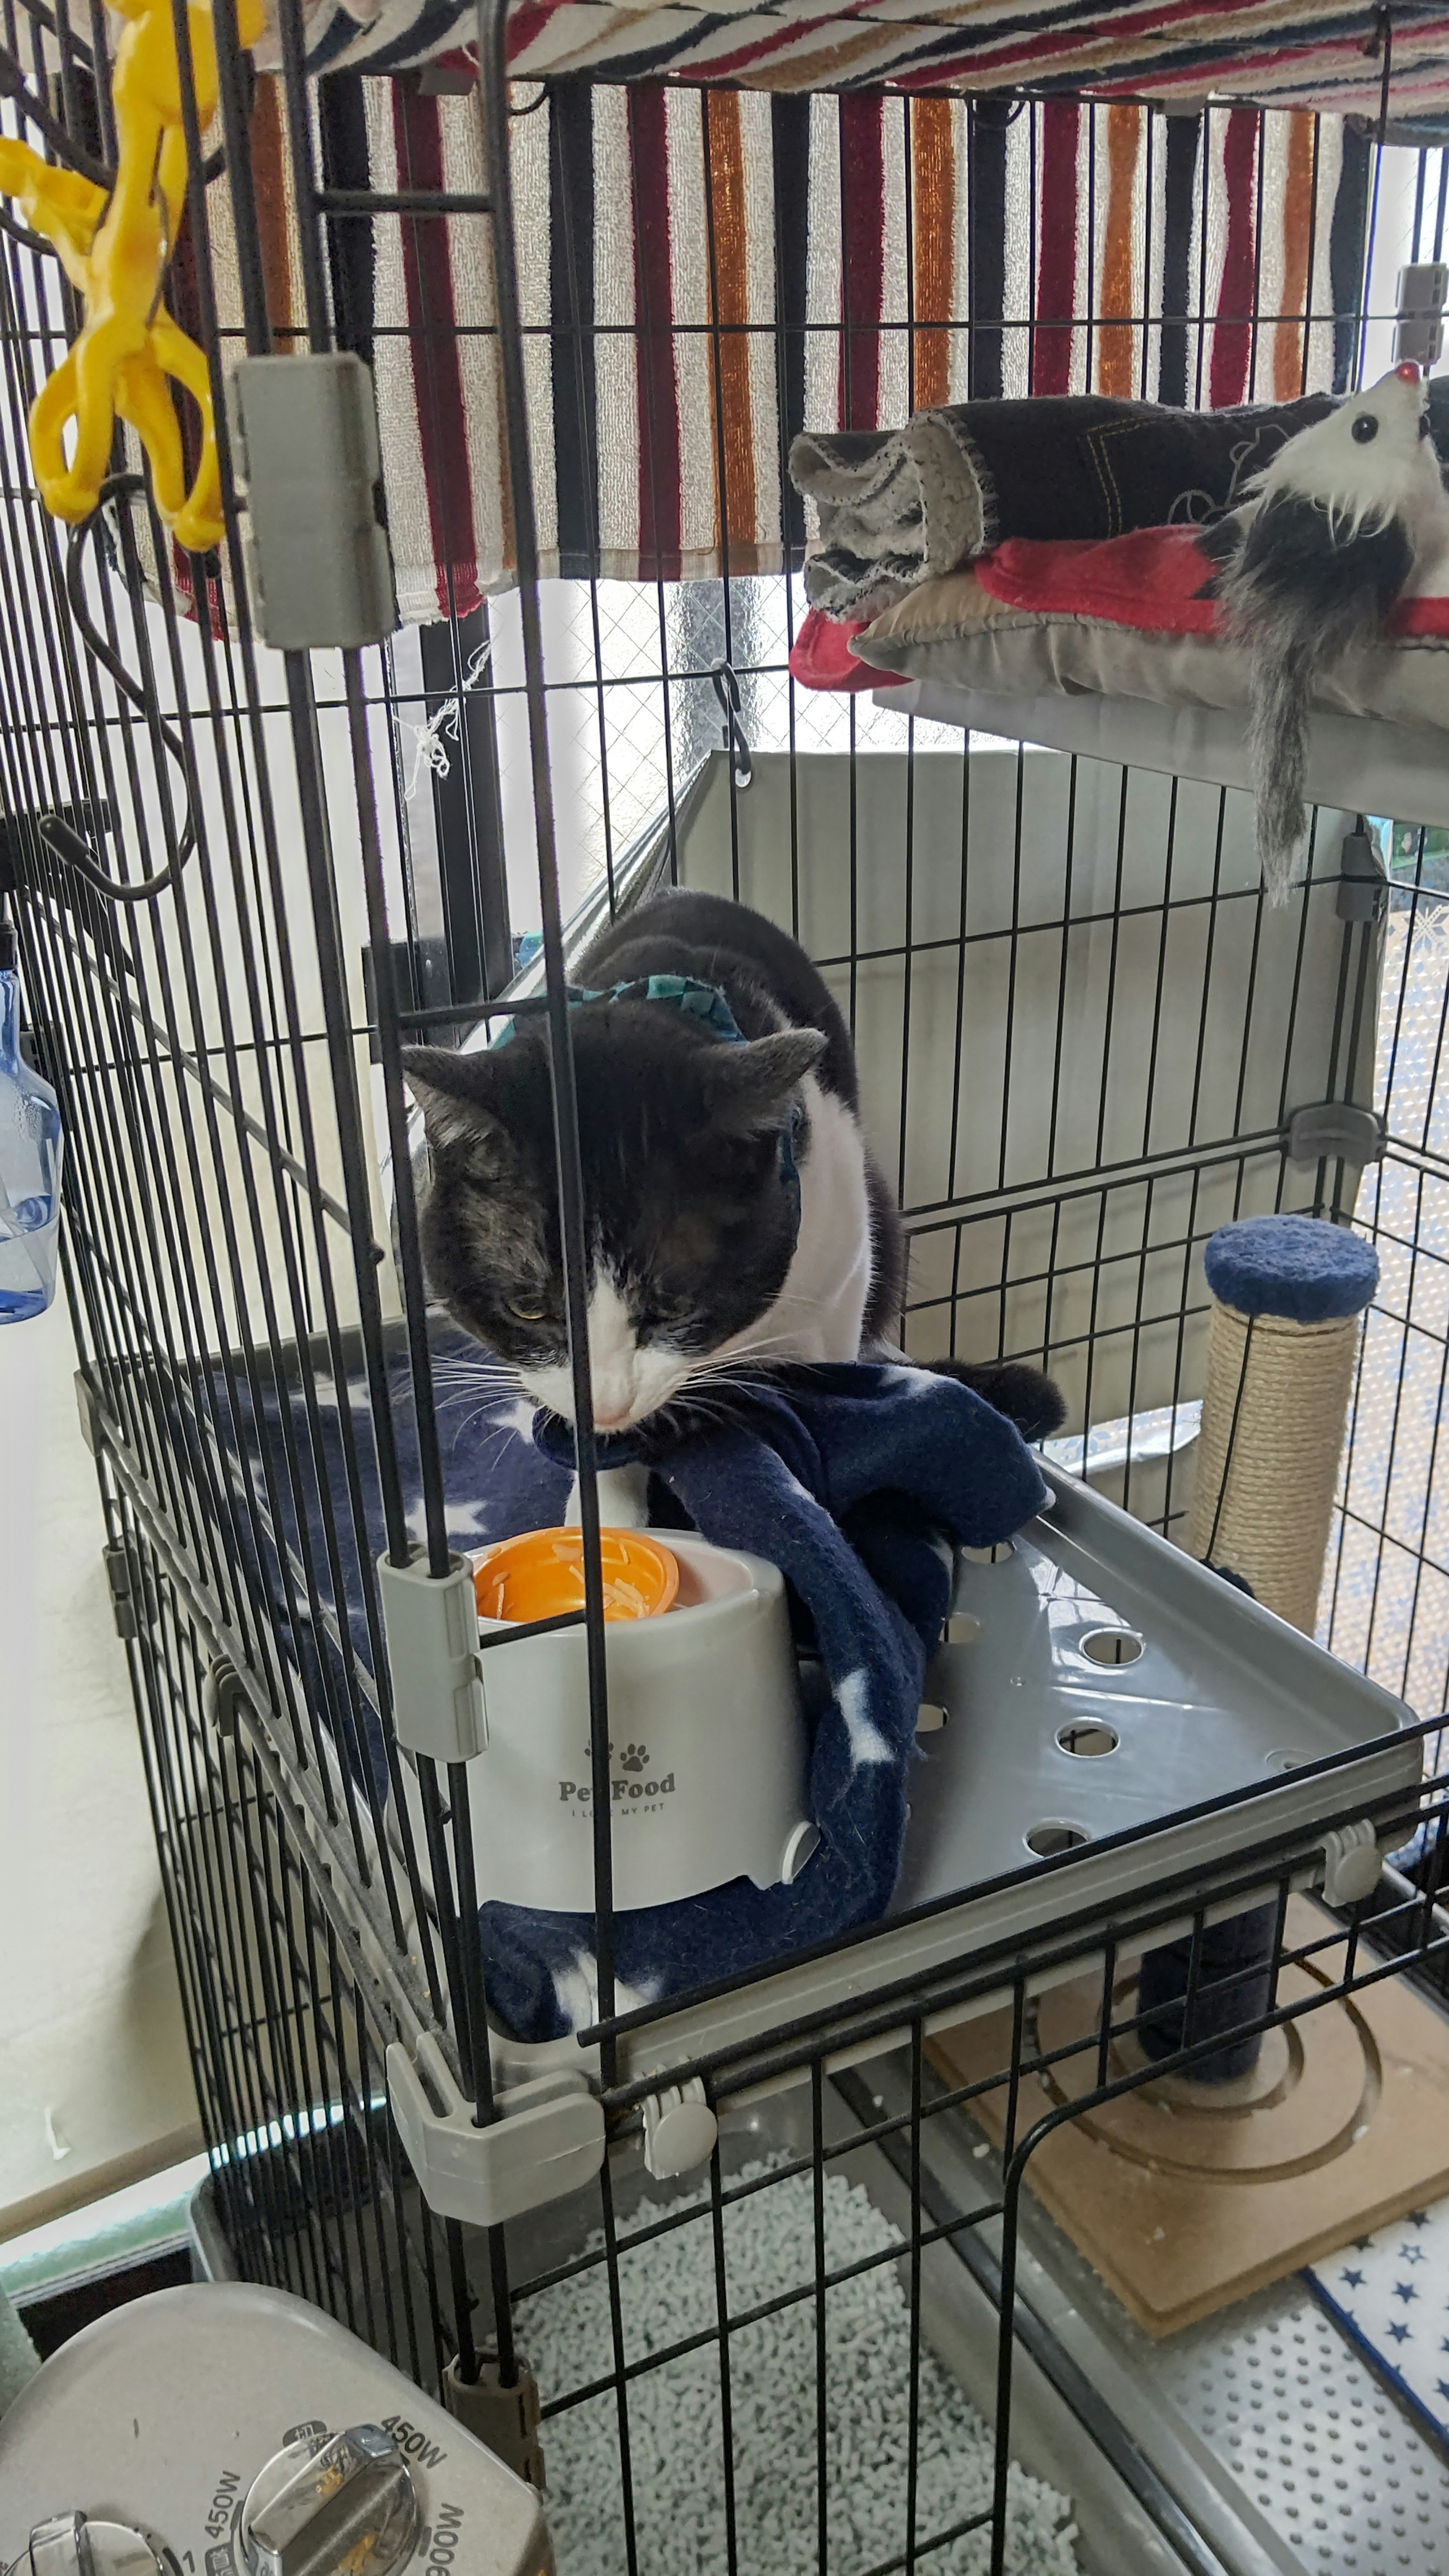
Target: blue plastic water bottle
30,1153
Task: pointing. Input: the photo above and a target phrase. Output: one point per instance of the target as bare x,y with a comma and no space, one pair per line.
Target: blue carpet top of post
856,1480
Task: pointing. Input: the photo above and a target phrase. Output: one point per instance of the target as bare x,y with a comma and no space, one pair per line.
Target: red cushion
821,658
1149,580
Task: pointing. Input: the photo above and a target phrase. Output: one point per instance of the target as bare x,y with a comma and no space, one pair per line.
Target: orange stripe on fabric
933,186
269,175
1115,351
1297,247
725,180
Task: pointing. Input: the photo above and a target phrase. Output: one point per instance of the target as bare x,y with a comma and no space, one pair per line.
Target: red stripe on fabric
1056,273
659,461
862,283
1008,55
433,350
1233,336
529,21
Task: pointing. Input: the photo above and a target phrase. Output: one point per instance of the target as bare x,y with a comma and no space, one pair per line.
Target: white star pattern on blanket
867,1744
1391,2292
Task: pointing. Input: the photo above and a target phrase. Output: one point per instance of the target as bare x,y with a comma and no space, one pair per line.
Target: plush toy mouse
1347,517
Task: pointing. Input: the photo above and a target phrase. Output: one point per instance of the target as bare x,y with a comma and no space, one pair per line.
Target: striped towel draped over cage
1303,53
706,272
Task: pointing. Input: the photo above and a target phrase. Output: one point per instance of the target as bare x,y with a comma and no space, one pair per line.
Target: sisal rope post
1287,1295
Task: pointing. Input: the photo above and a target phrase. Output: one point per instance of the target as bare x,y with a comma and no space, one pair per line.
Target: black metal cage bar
244,880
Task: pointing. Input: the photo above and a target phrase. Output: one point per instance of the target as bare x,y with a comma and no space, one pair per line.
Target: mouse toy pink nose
1409,371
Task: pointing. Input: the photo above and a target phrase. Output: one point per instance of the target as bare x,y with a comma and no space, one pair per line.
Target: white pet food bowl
707,1748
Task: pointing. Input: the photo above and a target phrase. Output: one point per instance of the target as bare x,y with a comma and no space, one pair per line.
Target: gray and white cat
734,1216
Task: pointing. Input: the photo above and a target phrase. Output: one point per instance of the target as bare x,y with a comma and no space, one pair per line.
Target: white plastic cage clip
680,2130
1351,1865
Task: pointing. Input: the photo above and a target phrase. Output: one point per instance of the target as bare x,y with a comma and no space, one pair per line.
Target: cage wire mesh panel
1081,1038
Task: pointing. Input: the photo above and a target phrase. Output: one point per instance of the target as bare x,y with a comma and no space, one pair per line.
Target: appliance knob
71,2544
331,2503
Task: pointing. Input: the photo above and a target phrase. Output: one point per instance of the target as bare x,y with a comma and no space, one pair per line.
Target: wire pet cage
763,2267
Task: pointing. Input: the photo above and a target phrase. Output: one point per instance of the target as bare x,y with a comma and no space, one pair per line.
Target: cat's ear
453,1092
750,1086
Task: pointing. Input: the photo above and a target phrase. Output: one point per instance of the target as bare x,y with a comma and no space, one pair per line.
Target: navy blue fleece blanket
857,1481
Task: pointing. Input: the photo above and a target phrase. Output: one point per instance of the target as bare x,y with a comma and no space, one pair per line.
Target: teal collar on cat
705,1003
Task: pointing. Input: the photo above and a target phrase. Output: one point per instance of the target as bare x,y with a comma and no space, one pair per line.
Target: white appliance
227,2430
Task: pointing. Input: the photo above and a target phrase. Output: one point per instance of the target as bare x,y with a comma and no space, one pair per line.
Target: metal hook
727,689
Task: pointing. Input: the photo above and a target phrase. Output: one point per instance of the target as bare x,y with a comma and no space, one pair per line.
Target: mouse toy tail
1282,685
1300,586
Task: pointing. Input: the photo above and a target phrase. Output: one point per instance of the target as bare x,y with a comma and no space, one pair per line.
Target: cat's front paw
1026,1395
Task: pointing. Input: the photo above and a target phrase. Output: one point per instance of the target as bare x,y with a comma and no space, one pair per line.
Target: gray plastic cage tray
1222,1699
1098,1679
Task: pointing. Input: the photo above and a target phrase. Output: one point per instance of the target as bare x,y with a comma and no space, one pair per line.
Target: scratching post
1287,1294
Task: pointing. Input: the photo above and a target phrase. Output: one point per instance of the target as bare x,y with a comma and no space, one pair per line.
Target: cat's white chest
819,1312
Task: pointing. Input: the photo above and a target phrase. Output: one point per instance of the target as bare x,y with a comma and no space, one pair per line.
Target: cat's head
691,1206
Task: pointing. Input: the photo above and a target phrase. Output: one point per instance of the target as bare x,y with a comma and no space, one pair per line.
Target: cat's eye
1365,428
526,1310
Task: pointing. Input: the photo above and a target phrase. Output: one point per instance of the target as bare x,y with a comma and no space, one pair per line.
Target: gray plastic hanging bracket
305,452
1335,1131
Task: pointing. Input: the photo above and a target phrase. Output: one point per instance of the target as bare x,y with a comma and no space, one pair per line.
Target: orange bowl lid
540,1575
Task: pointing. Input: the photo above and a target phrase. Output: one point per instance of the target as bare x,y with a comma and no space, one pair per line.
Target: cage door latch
432,1652
547,2141
1350,1863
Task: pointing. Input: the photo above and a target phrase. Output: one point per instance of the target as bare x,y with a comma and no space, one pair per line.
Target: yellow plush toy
115,252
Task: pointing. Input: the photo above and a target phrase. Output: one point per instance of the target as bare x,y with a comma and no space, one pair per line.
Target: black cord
22,233
65,147
57,834
73,155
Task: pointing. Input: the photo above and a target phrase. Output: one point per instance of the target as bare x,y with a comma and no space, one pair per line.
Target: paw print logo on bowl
635,1757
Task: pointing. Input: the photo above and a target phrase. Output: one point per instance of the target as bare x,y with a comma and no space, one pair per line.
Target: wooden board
1184,2197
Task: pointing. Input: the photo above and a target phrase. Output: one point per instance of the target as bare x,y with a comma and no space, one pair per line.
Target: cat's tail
1026,1395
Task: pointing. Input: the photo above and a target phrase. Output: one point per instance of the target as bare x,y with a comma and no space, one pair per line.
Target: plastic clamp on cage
432,1651
548,2139
504,2418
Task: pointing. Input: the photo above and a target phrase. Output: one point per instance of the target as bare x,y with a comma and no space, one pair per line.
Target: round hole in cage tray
1280,1760
1314,2090
1111,1645
1054,1836
1088,1739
